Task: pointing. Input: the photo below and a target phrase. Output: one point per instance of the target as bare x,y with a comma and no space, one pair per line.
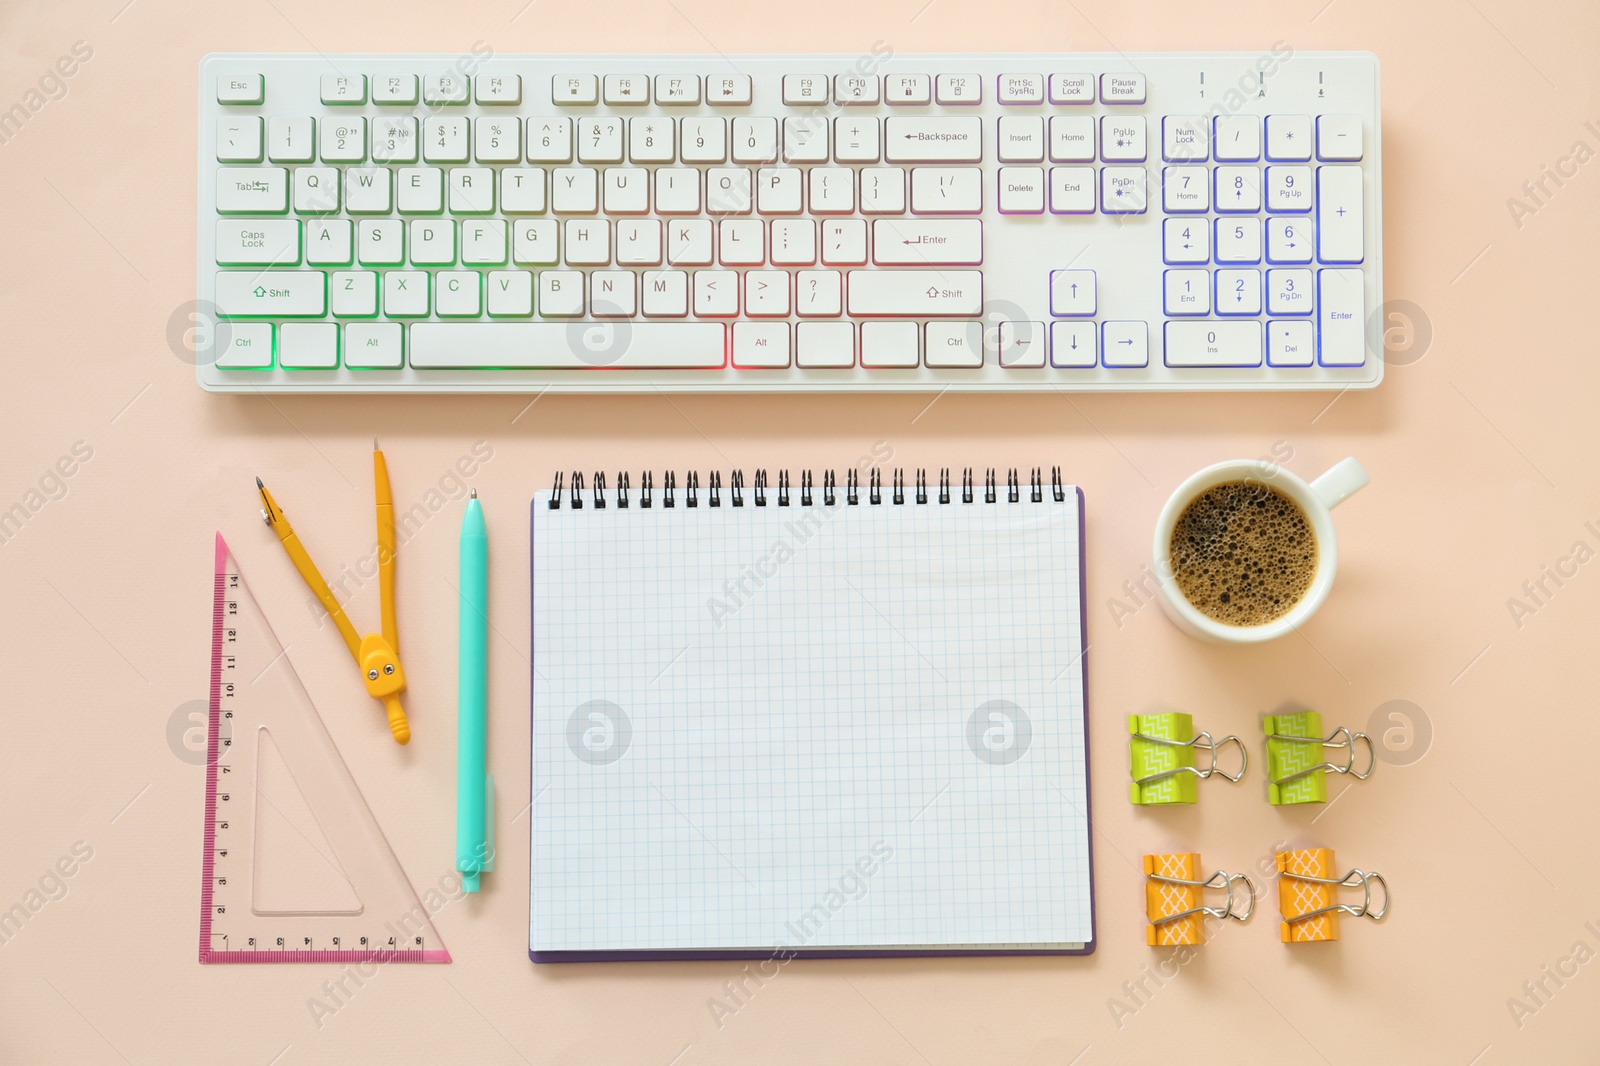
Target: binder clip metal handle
1332,741
1202,740
1221,879
1354,879
1174,906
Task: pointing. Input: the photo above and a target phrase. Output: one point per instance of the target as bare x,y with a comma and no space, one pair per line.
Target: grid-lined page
808,727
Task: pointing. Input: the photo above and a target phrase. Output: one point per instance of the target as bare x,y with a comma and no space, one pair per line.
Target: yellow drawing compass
377,654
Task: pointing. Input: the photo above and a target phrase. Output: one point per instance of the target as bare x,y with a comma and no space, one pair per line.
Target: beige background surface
1483,464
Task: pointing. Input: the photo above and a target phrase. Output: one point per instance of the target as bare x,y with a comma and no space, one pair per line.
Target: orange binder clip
1307,899
1173,904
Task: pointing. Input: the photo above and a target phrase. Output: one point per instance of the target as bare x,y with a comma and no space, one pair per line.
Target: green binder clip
1296,767
1162,757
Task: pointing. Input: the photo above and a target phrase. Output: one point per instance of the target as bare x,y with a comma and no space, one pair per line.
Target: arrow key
1126,344
1072,293
1072,344
1021,345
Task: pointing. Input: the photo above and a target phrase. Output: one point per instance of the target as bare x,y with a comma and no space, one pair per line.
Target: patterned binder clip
1306,897
1296,768
1173,904
1162,760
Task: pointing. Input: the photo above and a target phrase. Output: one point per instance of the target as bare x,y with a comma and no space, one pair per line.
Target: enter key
927,242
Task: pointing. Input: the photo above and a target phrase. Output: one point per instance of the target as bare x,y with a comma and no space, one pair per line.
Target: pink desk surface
1482,455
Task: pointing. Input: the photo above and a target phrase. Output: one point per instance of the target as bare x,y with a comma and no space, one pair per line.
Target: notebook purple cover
847,953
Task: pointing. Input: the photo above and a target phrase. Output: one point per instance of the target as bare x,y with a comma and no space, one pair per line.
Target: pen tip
474,494
375,444
259,485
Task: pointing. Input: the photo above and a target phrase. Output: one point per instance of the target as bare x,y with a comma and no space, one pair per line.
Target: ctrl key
244,345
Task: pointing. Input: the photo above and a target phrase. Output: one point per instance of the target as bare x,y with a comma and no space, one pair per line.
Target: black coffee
1243,553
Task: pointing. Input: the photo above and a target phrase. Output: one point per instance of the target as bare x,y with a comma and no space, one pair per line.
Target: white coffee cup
1317,499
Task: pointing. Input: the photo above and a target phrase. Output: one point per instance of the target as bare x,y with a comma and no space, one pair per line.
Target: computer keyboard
873,222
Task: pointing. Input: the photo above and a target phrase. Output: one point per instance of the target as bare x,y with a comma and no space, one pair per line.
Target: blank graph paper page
820,729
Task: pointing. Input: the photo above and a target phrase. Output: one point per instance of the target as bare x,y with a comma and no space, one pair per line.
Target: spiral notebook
829,715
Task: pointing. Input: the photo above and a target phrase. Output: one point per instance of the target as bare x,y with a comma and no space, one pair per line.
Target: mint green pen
474,788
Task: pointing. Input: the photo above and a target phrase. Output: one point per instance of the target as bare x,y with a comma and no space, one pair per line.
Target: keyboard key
1238,240
444,89
1021,190
497,140
381,242
844,242
1339,138
677,191
471,190
890,344
483,242
883,191
252,190
308,346
639,242
933,140
1074,345
794,242
1020,139
1185,189
1072,88
394,89
958,89
1185,139
550,140
1187,292
1200,344
600,140
444,140
574,191
373,345
1340,223
689,242
1289,138
613,294
1021,345
805,140
368,191
666,293
742,241
1238,292
755,140
946,190
329,241
927,242
1122,190
627,190
271,293
249,346
1237,139
760,345
552,345
499,89
915,293
1122,88
705,140
510,293
1125,344
1290,344
1289,292
1288,240
1341,318
1288,189
1072,190
832,190
343,139
727,90
260,242
575,89
291,139
1238,189
1072,138
405,293
522,191
586,242
800,89
394,140
910,90
766,293
1123,139
817,293
1020,89
855,89
433,242
677,89
716,293
241,89
855,139
1072,293
421,190
626,89
239,139
956,345
560,294
533,242
342,89
1186,240
825,344
353,293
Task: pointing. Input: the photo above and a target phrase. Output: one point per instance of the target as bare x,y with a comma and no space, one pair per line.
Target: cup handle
1341,481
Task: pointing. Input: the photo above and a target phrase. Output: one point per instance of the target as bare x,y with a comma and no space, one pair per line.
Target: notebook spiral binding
735,495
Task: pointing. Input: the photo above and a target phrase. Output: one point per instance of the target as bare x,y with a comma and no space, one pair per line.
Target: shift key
916,293
272,293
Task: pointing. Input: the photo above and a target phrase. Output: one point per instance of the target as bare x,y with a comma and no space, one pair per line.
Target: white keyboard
1082,221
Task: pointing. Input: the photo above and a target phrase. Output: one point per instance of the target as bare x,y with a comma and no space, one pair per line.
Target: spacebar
568,345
